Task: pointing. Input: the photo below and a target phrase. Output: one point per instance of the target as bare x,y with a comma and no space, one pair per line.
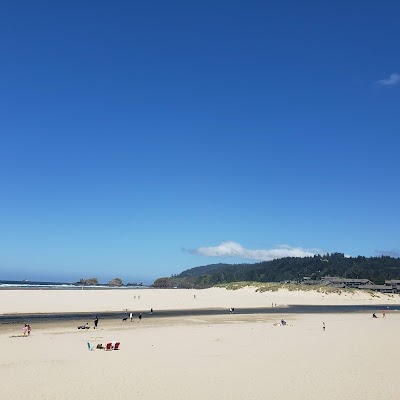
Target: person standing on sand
29,330
96,321
323,326
131,317
25,329
384,314
140,317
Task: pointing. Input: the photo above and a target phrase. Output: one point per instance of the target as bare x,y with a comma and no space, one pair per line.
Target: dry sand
48,301
213,357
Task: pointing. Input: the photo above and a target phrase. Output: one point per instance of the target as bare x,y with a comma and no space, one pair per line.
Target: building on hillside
378,288
344,282
394,284
314,282
390,286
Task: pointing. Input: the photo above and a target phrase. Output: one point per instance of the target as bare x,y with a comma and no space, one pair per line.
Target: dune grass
292,287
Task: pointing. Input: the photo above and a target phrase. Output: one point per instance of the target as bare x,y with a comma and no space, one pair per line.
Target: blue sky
139,139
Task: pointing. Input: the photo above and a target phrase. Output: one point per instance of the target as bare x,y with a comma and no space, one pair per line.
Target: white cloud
233,249
393,79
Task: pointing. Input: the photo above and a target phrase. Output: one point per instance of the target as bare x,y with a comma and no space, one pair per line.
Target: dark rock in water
115,282
90,281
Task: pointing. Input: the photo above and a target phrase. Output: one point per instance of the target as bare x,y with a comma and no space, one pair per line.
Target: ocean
59,285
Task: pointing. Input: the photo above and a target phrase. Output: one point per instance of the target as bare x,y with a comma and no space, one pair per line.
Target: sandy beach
50,301
229,356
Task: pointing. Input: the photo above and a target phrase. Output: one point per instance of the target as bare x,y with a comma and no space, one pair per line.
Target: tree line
376,269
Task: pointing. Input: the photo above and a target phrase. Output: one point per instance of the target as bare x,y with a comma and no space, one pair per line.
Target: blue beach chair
90,347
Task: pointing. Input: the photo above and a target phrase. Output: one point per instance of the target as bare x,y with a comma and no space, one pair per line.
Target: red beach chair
108,346
116,347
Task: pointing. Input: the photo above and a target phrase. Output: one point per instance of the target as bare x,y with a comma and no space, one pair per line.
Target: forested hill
377,269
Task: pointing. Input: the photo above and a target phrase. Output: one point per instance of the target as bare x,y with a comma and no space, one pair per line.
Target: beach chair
90,347
108,346
116,346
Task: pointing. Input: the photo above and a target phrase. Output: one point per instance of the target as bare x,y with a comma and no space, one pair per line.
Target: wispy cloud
393,79
390,253
236,250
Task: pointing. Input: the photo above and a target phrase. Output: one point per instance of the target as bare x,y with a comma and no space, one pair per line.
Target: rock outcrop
115,282
90,281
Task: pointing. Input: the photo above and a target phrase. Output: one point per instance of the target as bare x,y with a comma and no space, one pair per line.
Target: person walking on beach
25,329
151,311
96,321
29,330
384,314
323,326
140,317
131,317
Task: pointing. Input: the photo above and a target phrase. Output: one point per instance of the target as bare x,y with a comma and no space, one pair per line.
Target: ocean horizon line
26,284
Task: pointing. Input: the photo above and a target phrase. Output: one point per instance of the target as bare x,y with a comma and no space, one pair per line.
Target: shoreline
290,309
117,326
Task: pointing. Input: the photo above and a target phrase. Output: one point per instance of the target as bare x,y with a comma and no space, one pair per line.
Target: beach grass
291,287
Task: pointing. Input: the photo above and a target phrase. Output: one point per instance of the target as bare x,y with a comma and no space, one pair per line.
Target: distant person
233,310
131,317
323,326
151,311
140,317
25,329
96,321
230,310
384,314
374,315
29,330
194,296
283,322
